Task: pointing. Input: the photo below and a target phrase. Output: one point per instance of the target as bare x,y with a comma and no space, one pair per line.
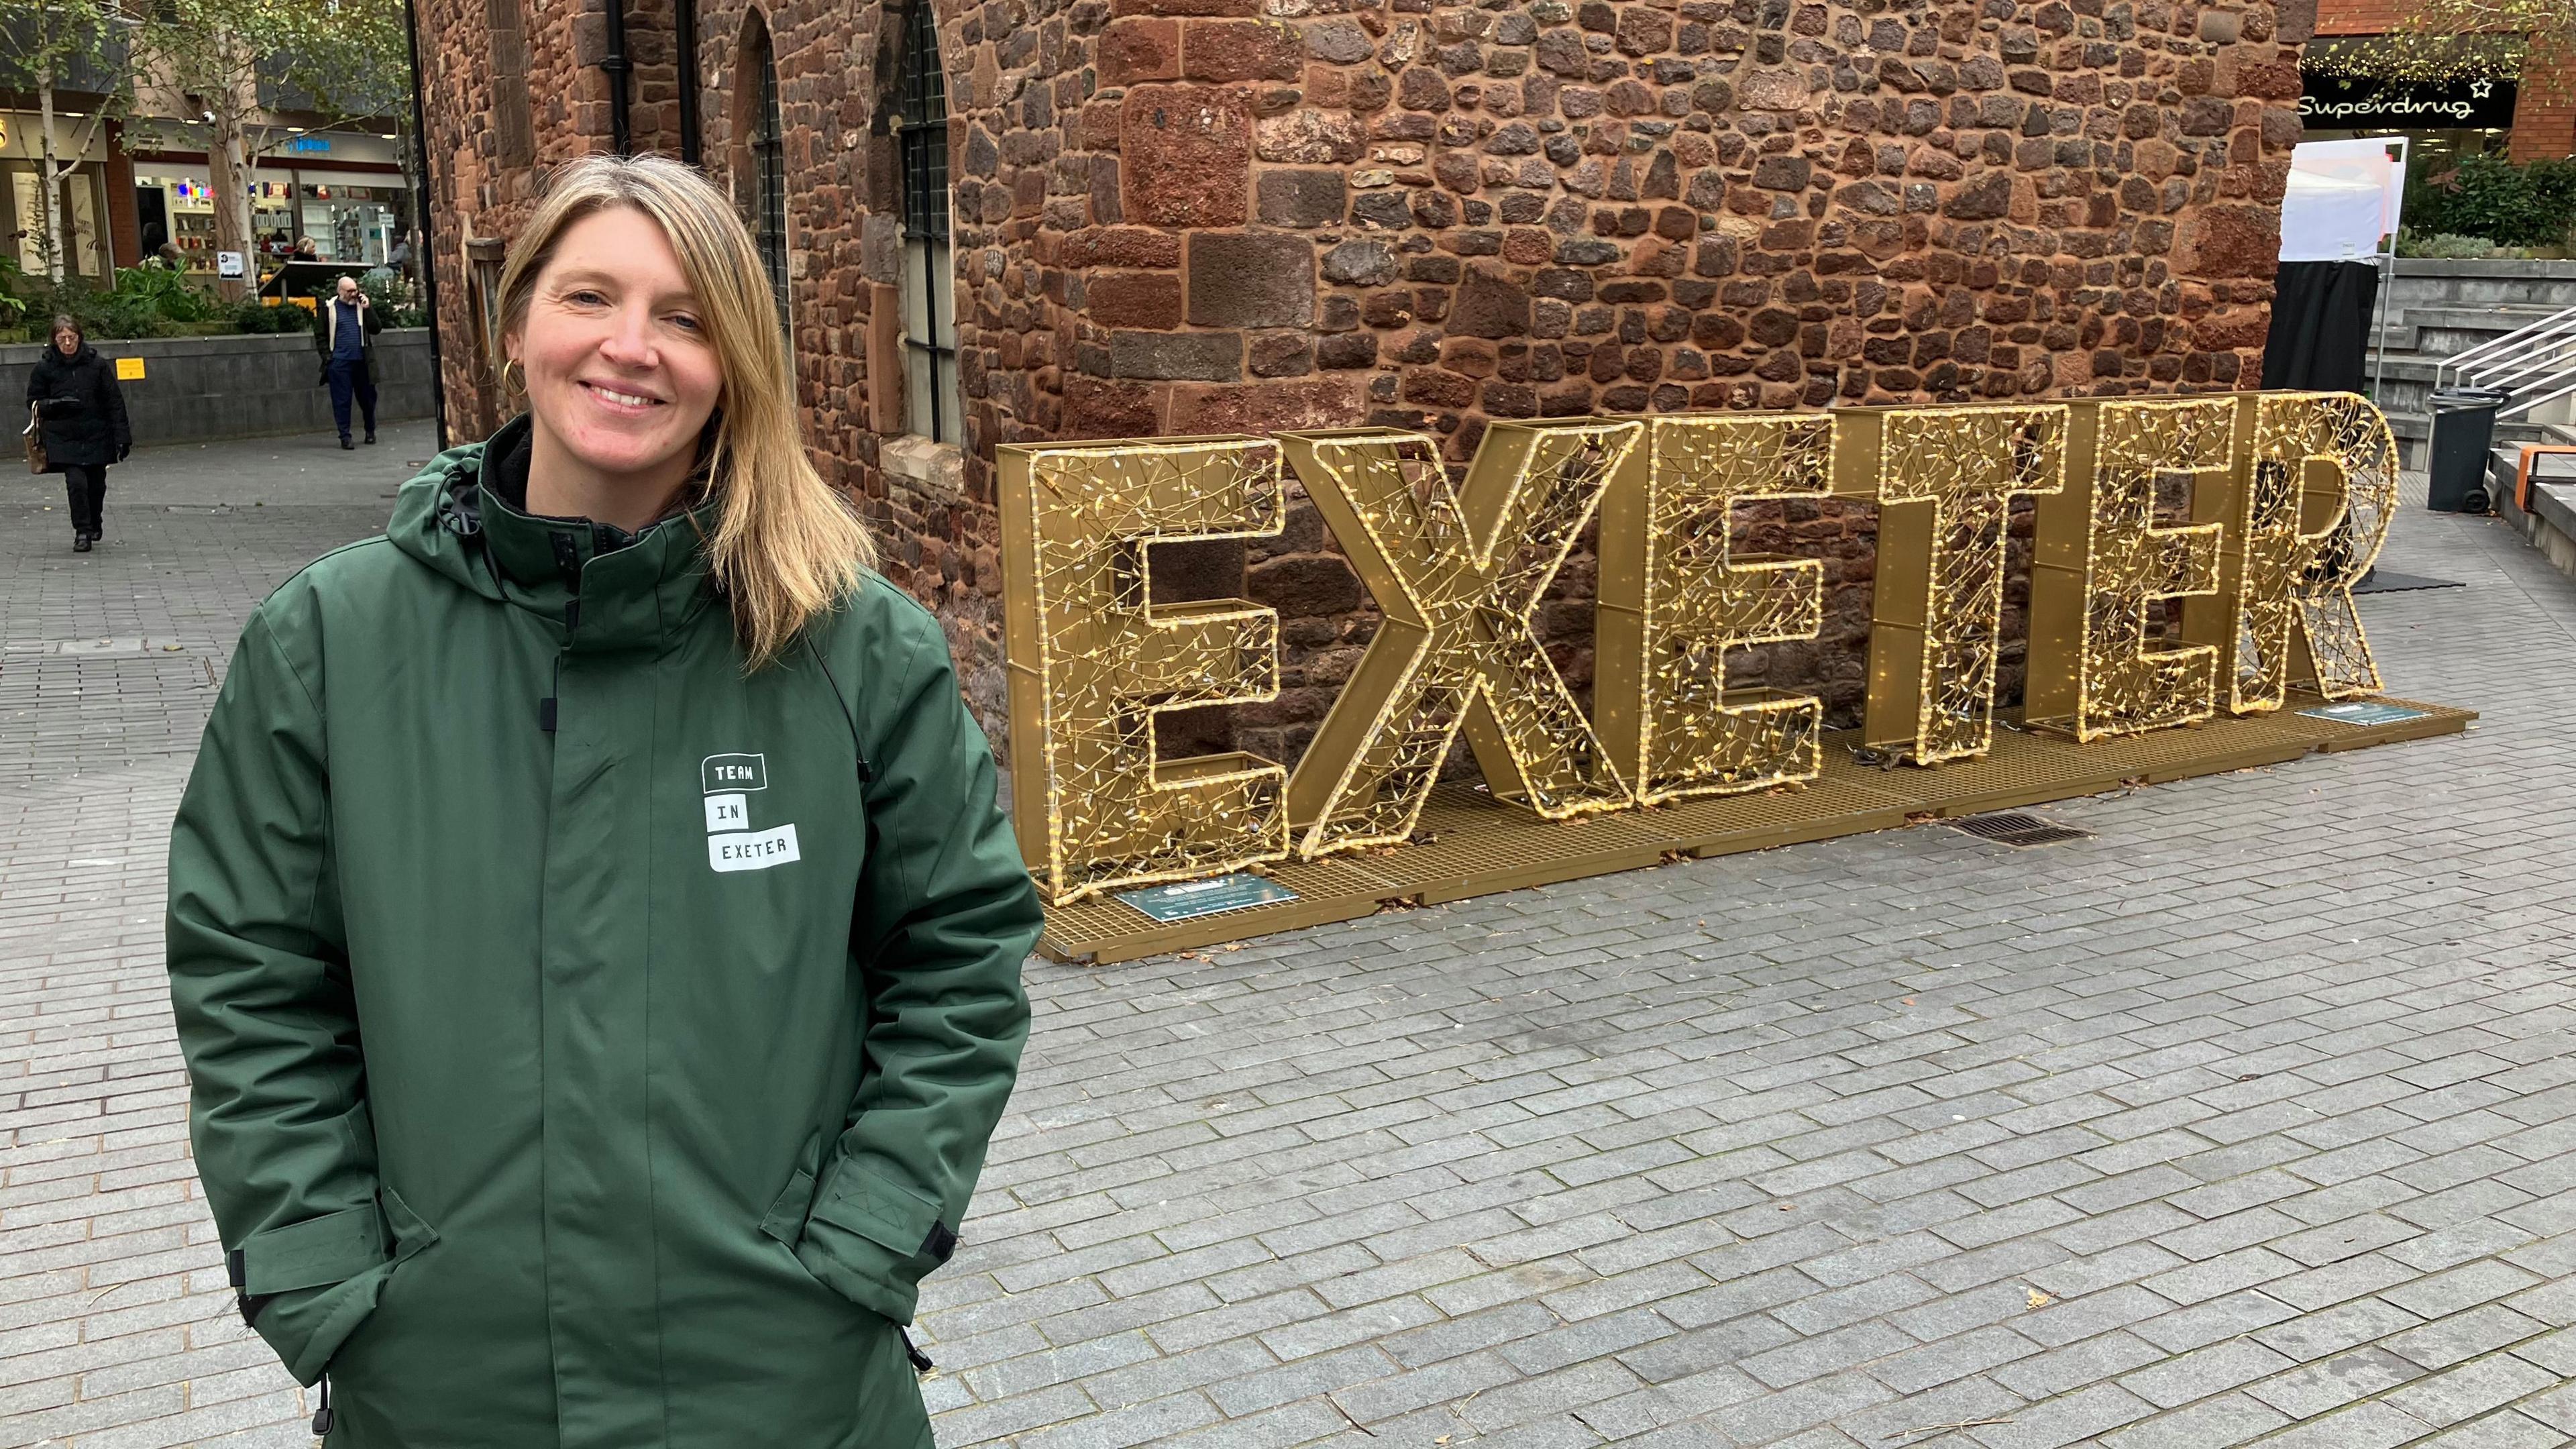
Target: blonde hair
786,546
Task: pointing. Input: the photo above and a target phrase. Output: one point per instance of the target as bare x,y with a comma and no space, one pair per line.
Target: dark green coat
611,1086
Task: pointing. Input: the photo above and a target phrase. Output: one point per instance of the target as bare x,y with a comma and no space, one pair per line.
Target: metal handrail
2569,389
2510,370
2556,329
2530,367
2525,335
2511,376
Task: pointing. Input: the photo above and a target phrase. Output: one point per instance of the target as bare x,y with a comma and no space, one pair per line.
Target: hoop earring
507,386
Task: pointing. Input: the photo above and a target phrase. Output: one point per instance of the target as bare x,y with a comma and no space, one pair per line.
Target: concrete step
2550,520
2484,283
2444,331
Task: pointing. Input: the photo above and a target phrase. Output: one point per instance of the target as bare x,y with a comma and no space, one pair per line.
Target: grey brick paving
2250,1121
115,1325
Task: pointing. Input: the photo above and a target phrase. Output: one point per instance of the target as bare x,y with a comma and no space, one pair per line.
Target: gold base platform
1471,844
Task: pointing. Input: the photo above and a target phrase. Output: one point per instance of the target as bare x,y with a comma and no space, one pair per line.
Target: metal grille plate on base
2021,769
1469,843
2014,828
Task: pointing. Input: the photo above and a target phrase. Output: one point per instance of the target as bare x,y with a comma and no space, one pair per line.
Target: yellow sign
2179,542
1094,661
129,369
1946,479
1458,570
1676,598
2105,562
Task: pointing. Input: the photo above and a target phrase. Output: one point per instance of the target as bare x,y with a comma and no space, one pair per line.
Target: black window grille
769,174
930,322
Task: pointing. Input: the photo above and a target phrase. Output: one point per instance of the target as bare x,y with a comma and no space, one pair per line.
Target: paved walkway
2251,1119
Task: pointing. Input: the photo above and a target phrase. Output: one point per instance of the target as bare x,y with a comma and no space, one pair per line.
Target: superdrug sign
2357,103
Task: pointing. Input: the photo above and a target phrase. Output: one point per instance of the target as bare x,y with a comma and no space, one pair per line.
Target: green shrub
142,302
2447,246
286,317
392,301
157,293
2489,197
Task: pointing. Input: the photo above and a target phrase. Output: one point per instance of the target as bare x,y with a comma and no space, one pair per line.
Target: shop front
80,198
355,220
2460,117
343,190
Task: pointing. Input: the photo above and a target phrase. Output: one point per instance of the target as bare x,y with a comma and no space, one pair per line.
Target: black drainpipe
421,222
685,16
620,136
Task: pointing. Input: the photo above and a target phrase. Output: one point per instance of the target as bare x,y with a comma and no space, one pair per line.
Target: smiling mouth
623,399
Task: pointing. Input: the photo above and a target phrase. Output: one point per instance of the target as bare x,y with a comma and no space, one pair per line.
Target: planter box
199,388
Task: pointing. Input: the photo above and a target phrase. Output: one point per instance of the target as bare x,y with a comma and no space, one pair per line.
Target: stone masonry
1202,216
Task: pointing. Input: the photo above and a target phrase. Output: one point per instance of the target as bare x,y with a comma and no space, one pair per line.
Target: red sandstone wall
1185,216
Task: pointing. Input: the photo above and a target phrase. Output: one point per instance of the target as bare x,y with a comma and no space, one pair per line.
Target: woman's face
66,342
619,366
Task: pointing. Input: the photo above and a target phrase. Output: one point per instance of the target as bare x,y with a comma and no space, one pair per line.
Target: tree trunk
49,182
415,230
228,176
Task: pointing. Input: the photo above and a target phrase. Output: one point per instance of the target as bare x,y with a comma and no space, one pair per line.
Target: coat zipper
547,709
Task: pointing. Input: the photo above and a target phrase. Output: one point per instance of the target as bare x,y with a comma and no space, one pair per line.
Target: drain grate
2014,828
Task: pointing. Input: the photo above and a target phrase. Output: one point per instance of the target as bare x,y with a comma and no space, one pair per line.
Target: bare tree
358,65
216,53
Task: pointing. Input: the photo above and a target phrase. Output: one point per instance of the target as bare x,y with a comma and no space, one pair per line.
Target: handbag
35,438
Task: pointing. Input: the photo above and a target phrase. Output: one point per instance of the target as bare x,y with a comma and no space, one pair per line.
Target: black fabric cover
2320,337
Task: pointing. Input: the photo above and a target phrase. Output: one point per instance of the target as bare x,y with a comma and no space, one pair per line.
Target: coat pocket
785,1220
411,1232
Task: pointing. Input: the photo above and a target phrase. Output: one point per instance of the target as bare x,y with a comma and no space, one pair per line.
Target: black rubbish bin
2463,430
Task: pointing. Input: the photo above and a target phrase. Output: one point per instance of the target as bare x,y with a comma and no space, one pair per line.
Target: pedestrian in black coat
82,411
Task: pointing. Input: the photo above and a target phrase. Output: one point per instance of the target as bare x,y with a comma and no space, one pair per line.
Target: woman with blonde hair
594,942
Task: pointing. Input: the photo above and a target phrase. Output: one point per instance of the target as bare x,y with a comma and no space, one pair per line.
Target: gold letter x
1458,573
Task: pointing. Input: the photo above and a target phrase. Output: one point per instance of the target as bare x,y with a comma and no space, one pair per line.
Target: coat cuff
872,1239
313,1253
860,1271
322,1277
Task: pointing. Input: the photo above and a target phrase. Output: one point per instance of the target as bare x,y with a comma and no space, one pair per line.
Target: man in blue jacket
346,334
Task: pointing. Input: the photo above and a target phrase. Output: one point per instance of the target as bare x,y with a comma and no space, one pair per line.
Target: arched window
768,165
929,288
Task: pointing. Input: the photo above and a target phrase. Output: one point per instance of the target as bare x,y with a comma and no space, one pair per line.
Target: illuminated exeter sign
2194,556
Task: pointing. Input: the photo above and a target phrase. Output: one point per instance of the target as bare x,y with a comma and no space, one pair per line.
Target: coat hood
464,517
